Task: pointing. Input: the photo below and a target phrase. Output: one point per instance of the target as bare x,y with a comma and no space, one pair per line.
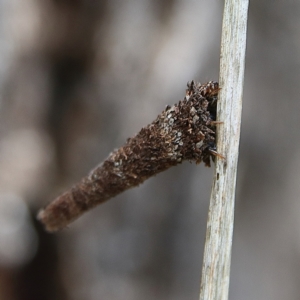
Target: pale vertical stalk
218,244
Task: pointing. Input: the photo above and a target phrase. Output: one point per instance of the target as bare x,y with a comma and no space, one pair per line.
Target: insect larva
184,131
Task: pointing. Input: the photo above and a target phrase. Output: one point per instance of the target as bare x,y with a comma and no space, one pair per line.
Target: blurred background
79,77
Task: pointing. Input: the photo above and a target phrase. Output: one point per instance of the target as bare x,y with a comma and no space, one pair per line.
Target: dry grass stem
217,252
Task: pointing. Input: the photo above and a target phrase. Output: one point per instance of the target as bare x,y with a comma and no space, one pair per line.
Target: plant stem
218,244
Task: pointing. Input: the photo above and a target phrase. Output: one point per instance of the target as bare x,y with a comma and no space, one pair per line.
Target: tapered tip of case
42,217
56,215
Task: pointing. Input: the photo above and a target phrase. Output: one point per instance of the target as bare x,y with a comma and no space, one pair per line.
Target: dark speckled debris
184,131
